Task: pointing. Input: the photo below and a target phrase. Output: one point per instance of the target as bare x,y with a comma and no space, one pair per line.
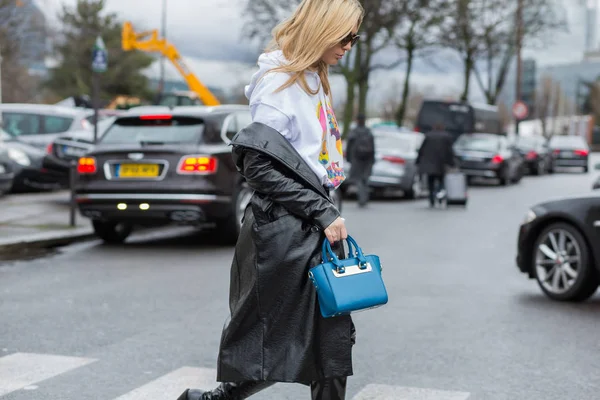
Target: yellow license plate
138,171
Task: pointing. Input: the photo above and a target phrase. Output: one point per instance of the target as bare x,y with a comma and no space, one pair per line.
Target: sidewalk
39,220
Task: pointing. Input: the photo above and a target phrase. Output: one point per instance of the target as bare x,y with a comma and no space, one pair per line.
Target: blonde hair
315,27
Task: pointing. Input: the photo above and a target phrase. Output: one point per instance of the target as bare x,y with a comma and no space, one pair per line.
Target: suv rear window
454,117
154,130
481,143
571,141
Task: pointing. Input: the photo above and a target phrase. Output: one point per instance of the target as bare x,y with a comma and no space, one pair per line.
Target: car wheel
229,229
562,264
112,232
585,170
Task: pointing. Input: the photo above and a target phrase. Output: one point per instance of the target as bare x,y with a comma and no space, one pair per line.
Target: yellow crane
149,41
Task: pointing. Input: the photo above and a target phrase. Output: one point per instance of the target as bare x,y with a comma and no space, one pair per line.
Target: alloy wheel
558,261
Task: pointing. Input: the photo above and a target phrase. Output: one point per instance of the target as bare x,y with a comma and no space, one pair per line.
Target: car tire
228,230
586,281
112,232
585,170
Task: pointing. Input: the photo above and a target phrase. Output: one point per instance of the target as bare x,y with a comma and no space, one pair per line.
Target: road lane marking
20,370
387,392
171,385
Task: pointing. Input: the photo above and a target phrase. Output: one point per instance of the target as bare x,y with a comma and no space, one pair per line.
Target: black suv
157,166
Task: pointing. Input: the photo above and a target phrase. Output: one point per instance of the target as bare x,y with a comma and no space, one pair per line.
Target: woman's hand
336,231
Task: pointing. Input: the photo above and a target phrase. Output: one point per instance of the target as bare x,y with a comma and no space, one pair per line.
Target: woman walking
291,156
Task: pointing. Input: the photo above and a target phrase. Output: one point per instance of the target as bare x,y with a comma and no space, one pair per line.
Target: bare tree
419,31
20,29
484,35
540,19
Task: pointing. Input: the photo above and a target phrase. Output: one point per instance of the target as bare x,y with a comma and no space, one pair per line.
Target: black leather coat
275,331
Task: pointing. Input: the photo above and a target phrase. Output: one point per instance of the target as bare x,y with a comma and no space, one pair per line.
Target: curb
46,240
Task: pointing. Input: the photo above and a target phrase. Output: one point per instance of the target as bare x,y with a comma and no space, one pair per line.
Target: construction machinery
149,41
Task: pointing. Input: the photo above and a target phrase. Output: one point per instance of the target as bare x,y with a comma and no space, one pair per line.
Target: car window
568,141
237,122
396,144
56,124
154,130
481,143
18,124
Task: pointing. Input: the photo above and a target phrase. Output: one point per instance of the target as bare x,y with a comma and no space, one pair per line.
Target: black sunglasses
351,38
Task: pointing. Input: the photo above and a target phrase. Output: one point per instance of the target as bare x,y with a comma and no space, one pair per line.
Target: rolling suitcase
456,188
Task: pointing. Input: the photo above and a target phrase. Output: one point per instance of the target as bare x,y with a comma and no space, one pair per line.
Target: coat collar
267,140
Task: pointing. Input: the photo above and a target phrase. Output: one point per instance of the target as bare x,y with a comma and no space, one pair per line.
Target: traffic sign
520,110
99,56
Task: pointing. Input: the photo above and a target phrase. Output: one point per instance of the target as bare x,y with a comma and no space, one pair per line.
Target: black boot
329,389
227,391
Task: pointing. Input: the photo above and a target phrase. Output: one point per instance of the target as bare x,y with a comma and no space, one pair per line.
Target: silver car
394,169
39,124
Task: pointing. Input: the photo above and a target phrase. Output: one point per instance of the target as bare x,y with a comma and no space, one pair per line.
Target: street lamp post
519,23
161,83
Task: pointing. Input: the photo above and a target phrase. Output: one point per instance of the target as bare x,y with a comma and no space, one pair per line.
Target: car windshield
400,143
477,143
154,130
568,141
527,142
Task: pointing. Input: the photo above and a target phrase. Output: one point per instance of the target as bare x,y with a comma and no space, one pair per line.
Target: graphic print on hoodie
306,121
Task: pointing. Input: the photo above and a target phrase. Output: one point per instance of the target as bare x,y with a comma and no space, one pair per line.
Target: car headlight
19,157
529,217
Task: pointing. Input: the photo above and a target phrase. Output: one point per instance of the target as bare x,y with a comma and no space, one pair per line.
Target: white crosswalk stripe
388,392
20,370
171,385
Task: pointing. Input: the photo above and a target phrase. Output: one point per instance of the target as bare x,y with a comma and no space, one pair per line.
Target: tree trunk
363,74
406,90
363,91
349,107
467,71
351,79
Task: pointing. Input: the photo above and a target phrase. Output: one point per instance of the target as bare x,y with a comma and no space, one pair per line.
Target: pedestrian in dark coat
435,155
291,156
361,154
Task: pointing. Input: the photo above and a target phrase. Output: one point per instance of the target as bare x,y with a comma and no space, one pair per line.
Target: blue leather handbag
348,285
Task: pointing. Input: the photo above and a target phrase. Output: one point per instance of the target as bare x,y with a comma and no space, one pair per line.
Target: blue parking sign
100,56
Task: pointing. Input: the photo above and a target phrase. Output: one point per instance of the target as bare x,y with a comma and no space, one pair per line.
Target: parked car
6,172
26,163
395,154
157,166
69,147
570,151
537,153
488,155
558,246
39,124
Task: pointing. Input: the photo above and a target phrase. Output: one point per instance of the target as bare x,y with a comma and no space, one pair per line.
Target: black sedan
558,246
6,173
570,151
171,166
489,156
26,163
537,153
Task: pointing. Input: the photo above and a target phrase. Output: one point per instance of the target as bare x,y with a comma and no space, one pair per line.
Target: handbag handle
328,254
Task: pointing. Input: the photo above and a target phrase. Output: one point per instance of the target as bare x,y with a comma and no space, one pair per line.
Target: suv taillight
49,148
581,152
86,165
197,165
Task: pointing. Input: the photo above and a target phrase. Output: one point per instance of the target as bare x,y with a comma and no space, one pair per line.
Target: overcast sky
212,30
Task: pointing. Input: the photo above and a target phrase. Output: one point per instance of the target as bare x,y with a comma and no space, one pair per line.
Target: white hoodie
306,121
